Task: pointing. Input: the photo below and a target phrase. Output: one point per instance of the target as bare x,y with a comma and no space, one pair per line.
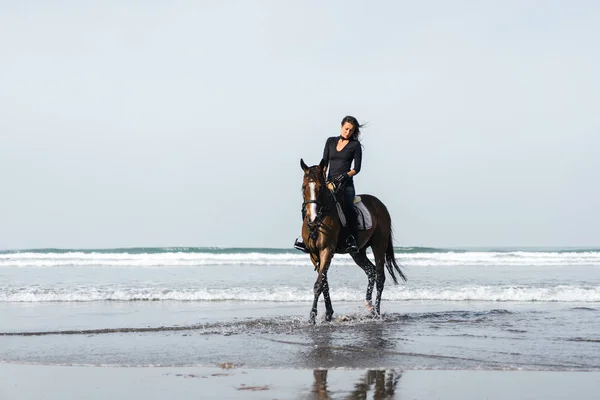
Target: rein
322,211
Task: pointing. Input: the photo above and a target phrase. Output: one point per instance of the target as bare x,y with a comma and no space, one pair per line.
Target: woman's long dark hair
351,120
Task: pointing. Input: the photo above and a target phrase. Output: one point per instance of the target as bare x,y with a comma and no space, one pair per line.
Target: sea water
460,309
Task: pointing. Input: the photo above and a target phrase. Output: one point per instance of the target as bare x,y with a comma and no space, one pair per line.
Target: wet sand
226,350
33,382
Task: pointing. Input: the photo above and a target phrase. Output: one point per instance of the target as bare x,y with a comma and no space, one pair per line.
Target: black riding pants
348,205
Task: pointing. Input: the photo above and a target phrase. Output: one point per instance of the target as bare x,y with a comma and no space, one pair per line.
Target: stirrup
298,245
351,246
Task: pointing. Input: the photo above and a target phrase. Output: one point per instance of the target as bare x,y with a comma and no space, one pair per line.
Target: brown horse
321,229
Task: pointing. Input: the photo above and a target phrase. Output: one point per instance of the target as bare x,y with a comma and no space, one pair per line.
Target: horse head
313,188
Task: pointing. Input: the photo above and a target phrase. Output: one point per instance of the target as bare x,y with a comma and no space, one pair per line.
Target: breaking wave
563,293
165,257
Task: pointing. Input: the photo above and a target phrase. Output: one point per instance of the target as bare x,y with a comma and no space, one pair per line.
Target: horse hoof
328,317
369,305
312,318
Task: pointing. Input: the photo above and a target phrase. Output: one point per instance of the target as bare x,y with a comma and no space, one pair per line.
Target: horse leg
317,289
380,284
315,260
366,265
379,254
322,285
328,306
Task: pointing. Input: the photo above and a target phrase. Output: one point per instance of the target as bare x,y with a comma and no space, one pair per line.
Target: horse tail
390,260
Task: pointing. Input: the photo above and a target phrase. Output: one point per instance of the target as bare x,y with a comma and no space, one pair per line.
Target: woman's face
347,130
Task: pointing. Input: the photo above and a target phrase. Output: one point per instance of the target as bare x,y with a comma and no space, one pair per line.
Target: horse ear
303,165
323,166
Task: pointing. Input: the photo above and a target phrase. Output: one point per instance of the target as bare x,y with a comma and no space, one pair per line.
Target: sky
182,123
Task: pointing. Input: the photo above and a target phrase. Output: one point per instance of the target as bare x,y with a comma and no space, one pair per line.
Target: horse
321,231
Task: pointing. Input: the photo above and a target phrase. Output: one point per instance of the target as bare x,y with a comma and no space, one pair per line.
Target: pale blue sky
182,123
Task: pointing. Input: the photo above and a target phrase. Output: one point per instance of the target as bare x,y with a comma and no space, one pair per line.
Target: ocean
532,309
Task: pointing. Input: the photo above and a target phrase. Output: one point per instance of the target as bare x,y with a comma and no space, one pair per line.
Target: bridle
321,206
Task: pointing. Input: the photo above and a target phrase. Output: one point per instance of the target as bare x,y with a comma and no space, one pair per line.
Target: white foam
80,259
562,293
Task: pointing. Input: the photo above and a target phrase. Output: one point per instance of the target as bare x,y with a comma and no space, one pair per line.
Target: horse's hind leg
379,254
366,265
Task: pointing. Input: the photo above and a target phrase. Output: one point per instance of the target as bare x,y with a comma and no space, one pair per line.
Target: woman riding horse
339,153
321,224
321,227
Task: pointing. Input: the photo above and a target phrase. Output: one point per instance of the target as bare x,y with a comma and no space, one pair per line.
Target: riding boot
300,245
351,222
351,241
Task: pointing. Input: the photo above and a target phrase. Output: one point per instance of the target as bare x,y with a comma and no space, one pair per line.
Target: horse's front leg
317,289
322,286
328,306
326,257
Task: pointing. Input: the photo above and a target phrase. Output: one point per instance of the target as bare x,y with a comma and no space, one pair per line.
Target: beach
214,323
47,382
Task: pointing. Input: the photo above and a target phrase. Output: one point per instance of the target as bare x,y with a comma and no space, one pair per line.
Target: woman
339,153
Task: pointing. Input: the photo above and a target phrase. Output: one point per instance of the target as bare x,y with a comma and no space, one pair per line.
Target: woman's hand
341,179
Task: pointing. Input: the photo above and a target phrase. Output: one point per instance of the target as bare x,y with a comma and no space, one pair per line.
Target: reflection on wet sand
359,346
319,389
380,383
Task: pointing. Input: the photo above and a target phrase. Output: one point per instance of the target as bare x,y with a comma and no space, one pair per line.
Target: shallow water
251,310
522,336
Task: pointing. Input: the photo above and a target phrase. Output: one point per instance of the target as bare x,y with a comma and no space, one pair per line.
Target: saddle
363,215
